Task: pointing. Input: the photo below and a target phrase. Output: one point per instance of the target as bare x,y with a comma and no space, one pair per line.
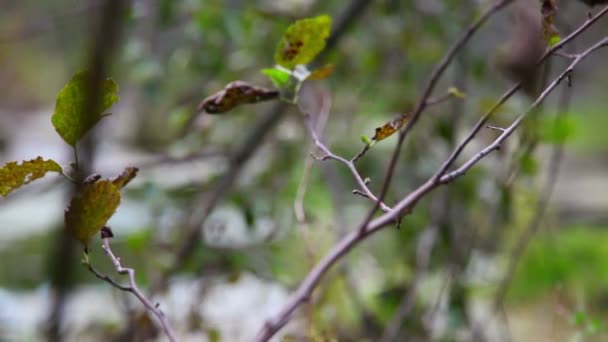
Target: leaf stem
76,164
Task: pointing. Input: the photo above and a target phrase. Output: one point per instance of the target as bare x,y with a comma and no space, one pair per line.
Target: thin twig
107,278
364,189
154,308
328,154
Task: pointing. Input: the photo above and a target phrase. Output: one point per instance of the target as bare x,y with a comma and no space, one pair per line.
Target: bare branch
155,309
363,188
313,128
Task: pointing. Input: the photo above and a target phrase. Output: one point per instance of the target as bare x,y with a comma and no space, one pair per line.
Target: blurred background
514,250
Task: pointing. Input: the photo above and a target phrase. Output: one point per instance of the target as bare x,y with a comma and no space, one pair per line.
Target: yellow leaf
322,73
391,127
13,175
91,209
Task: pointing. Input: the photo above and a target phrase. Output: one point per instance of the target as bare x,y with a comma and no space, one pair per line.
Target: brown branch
304,291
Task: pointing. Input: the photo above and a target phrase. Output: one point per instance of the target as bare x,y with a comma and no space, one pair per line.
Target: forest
303,170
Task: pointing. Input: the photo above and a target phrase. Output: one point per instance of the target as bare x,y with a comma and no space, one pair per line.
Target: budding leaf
13,175
365,139
70,119
554,40
302,41
91,209
234,94
391,127
456,93
278,77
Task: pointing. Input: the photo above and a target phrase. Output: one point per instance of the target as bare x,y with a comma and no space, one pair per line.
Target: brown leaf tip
106,233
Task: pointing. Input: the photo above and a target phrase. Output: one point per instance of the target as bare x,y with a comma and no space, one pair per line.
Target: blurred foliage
569,260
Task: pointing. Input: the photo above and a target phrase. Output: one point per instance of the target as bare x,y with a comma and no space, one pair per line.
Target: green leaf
553,40
278,77
91,209
70,119
13,175
365,139
456,93
302,41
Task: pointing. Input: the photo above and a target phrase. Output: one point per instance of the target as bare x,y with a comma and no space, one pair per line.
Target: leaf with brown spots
91,209
302,41
13,175
96,202
391,127
235,94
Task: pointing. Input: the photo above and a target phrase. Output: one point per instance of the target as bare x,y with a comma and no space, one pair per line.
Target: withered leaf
91,209
13,175
125,177
322,73
234,94
96,202
391,127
